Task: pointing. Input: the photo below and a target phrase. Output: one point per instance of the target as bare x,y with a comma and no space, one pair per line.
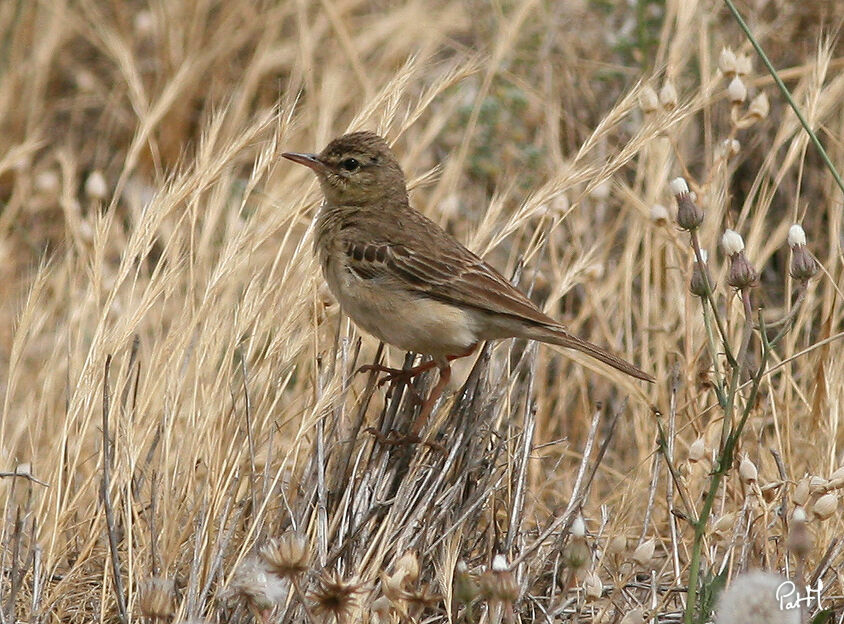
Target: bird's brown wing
451,275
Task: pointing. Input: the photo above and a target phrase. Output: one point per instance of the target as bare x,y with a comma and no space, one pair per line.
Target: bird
403,279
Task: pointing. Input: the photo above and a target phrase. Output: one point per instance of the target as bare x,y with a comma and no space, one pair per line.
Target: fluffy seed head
96,187
287,556
732,242
257,585
659,214
678,186
753,598
796,236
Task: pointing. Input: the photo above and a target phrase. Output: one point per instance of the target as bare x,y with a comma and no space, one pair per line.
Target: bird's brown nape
363,142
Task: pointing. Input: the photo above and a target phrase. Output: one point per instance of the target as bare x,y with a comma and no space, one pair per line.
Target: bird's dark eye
350,164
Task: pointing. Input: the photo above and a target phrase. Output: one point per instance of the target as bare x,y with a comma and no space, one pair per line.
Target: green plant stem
786,94
711,300
725,458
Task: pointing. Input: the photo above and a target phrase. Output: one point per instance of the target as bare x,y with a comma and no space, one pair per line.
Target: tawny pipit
403,279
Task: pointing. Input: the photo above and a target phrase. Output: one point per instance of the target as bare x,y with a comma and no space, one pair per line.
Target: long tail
559,336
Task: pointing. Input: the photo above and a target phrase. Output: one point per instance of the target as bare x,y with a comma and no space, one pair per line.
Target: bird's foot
396,438
403,375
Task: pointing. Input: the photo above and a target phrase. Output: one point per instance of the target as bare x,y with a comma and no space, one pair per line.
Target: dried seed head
636,616
697,450
801,493
689,215
747,470
577,553
408,566
592,586
48,182
699,285
336,597
617,544
742,274
736,91
144,23
744,65
668,96
287,556
648,99
803,264
157,598
729,148
644,552
381,608
799,541
601,191
753,598
836,479
465,586
499,584
727,62
95,185
818,485
724,524
659,214
257,585
759,107
825,506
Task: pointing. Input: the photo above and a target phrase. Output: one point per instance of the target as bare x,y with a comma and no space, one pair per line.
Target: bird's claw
396,438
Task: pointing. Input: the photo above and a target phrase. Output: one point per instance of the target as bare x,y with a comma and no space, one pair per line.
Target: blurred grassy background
146,216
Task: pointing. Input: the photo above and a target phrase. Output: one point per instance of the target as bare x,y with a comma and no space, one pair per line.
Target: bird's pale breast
398,317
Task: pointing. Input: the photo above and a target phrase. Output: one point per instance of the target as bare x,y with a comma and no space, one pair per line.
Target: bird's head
356,169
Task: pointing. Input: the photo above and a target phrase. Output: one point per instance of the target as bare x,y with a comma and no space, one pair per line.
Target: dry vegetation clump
183,432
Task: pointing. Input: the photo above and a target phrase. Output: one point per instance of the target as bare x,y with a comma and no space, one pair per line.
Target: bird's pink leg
418,424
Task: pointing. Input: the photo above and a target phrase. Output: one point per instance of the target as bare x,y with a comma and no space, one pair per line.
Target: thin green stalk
784,90
711,300
730,437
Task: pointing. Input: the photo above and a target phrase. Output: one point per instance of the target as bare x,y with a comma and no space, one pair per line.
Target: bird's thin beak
309,160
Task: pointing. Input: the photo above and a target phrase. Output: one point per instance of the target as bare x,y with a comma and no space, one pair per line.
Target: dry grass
180,387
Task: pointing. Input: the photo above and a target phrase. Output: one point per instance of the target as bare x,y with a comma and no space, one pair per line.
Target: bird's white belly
400,319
